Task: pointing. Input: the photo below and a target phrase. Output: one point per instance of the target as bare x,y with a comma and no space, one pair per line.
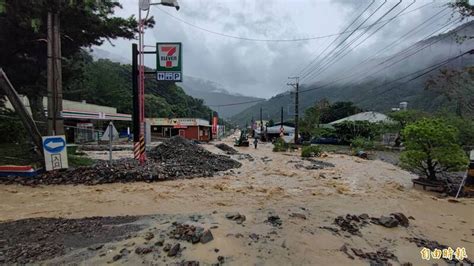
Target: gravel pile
228,149
181,157
31,240
175,158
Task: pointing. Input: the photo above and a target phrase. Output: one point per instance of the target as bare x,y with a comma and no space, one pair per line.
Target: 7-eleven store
84,122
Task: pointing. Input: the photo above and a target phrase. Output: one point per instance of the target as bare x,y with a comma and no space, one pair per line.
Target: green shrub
311,151
359,143
280,145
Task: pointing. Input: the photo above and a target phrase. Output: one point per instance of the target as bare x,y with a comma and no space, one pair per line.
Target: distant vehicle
329,140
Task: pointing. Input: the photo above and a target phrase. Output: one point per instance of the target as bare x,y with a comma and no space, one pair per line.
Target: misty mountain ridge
369,90
211,92
214,93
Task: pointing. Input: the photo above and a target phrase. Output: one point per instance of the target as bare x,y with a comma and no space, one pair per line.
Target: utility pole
281,118
20,109
296,86
136,104
261,124
55,91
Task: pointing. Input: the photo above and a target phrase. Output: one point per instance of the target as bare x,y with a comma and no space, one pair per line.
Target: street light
144,5
172,3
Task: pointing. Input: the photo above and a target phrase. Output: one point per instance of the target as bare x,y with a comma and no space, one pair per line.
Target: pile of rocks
228,149
391,221
121,171
190,233
175,158
235,216
182,158
353,223
380,257
31,240
274,220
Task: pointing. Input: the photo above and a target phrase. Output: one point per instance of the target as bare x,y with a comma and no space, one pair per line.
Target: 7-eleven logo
169,55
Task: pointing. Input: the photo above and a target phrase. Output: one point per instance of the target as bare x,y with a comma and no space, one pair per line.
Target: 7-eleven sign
169,66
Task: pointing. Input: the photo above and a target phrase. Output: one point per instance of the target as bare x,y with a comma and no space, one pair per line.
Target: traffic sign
55,153
169,62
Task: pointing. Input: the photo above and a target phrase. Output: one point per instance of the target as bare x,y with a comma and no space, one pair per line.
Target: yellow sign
447,253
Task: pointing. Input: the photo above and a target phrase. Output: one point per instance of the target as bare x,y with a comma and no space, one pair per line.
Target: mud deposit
38,239
333,210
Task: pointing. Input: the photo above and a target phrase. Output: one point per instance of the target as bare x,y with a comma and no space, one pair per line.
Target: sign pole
111,135
136,103
141,87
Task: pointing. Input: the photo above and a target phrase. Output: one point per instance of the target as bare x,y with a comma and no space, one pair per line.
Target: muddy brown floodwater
268,184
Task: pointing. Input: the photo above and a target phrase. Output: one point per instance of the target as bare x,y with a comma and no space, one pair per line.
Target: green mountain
109,83
382,91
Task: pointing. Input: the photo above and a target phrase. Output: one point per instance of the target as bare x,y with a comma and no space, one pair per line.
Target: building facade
189,128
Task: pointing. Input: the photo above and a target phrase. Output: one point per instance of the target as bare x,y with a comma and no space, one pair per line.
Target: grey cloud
259,68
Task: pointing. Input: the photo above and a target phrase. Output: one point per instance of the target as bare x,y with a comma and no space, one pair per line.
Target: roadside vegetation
432,147
311,151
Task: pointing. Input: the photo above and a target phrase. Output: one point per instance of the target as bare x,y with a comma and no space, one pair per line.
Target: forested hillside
387,88
109,83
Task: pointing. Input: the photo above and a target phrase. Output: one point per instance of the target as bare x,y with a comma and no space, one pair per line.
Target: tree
348,130
403,118
23,38
310,121
457,86
465,10
465,127
156,106
432,147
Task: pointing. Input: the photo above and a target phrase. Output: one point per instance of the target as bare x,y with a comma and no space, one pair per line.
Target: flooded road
269,183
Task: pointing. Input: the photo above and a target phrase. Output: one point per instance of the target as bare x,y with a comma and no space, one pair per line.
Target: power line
357,68
335,39
270,40
346,38
414,45
335,56
337,80
239,103
349,49
424,72
408,54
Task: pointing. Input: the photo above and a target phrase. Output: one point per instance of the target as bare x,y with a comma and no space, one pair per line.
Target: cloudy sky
261,68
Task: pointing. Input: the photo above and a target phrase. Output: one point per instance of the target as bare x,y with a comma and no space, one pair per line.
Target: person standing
255,142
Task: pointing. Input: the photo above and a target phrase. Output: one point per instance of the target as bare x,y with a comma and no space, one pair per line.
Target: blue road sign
54,144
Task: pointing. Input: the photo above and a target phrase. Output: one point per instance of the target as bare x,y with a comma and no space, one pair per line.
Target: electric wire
357,68
337,59
347,37
268,40
424,72
335,39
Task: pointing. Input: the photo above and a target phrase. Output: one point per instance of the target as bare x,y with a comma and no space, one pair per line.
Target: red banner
214,125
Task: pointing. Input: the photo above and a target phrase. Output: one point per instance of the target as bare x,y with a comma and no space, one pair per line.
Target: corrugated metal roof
372,117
